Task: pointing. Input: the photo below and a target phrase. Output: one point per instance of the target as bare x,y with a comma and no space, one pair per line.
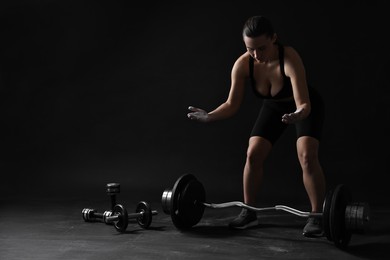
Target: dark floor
55,230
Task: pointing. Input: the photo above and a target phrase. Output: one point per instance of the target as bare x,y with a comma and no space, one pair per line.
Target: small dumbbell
143,214
91,215
112,189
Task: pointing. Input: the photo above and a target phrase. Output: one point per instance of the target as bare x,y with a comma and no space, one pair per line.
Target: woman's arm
295,70
232,104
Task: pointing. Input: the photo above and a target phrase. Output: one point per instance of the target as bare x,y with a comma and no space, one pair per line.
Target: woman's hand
292,117
198,114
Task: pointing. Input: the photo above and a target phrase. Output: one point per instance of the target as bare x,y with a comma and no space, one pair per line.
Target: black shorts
269,123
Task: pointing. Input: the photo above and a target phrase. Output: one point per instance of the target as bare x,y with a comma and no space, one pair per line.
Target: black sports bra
286,90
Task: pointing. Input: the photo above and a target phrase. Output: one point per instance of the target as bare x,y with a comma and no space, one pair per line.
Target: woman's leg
313,180
258,150
313,177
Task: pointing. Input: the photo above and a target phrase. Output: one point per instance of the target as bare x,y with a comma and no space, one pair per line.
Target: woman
277,75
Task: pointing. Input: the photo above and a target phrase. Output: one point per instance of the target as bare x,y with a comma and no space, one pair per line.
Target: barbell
341,217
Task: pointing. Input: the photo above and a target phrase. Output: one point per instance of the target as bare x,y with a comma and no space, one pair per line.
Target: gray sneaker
246,219
313,227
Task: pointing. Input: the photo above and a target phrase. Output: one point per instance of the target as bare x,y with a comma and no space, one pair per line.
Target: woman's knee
307,149
307,159
258,150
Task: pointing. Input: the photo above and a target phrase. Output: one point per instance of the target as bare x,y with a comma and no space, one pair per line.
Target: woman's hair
256,26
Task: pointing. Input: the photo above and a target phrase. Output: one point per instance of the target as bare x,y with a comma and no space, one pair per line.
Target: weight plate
88,214
191,208
106,214
363,217
166,201
357,216
122,222
326,214
146,219
178,188
340,199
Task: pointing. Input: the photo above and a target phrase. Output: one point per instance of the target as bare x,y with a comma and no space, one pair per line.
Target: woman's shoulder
293,63
242,60
241,65
290,52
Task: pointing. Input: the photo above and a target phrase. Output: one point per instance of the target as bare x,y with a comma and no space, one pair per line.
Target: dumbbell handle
98,215
140,214
277,207
130,216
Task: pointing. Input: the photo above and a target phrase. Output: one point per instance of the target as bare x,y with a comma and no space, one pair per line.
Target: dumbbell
120,217
112,189
91,215
186,202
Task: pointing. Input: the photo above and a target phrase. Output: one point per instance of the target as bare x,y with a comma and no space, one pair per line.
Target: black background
97,91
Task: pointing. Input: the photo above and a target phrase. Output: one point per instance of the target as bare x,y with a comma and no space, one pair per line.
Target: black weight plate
340,199
326,215
122,222
178,188
146,219
191,208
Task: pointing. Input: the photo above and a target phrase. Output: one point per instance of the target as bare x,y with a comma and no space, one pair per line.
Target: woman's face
261,48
